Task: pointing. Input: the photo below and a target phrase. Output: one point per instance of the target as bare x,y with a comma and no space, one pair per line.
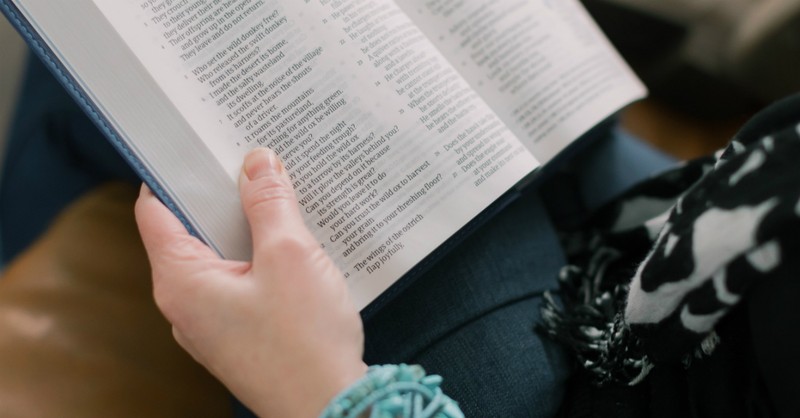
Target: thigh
471,318
54,154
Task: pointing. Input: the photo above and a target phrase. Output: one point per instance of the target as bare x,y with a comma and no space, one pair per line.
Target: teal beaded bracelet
394,391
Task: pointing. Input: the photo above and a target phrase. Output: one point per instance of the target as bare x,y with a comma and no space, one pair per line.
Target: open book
399,122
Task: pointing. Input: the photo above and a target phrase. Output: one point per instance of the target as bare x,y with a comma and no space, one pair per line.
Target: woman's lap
470,317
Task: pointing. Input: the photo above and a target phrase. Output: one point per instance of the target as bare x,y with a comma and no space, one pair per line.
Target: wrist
393,391
341,384
304,393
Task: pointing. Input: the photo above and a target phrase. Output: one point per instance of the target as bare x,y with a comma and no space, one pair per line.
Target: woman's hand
281,332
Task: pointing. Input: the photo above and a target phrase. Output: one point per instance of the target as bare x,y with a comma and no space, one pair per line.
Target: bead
394,391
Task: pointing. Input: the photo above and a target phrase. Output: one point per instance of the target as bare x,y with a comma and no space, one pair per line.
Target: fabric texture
666,296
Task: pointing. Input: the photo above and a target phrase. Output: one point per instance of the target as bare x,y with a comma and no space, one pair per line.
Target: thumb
269,200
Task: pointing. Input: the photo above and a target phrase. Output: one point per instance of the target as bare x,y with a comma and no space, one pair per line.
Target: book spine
68,81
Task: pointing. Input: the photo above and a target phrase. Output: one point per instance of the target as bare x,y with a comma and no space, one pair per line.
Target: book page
390,151
543,65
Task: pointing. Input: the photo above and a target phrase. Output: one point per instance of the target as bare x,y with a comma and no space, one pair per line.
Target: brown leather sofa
80,335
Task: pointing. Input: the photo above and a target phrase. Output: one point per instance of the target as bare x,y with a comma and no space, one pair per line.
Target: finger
269,200
165,237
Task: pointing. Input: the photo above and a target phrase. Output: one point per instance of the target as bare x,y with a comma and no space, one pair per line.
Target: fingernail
145,191
262,162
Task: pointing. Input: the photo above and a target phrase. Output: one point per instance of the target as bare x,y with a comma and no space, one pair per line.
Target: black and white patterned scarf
661,266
